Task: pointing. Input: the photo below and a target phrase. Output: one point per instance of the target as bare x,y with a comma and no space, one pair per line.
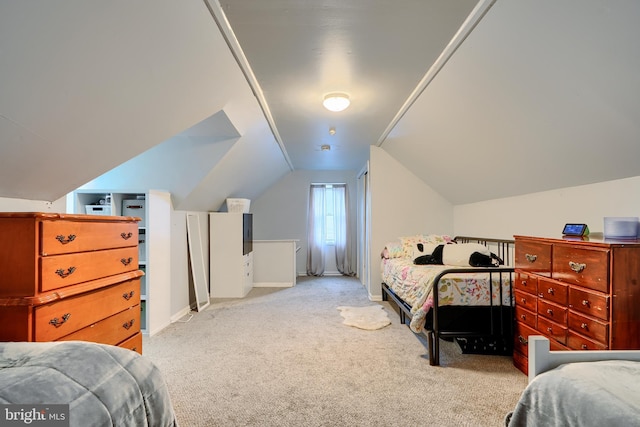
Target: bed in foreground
470,304
103,385
579,388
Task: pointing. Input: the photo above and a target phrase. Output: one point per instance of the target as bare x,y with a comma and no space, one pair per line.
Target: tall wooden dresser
70,277
581,294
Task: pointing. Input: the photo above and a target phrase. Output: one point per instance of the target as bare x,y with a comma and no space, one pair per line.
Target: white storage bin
621,227
238,205
98,209
135,207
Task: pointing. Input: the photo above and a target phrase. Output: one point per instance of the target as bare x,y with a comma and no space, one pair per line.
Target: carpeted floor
283,357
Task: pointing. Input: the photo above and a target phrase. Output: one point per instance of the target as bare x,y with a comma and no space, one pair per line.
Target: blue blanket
103,385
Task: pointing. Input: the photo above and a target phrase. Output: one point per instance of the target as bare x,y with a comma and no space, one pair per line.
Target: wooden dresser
581,294
70,277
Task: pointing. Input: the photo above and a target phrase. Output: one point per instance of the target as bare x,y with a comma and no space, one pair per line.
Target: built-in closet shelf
154,247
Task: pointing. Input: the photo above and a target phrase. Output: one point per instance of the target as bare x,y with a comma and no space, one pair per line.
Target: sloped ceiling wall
542,95
87,86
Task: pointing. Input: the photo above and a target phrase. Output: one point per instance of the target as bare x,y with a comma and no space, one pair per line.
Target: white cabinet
231,254
154,240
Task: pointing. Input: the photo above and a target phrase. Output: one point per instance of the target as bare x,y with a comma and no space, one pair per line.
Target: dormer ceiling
479,99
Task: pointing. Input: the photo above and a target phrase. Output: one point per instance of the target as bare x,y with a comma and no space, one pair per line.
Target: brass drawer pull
585,302
524,283
531,258
523,316
550,312
584,347
128,295
126,236
550,330
584,326
128,325
64,240
126,261
577,267
57,322
522,340
550,291
60,272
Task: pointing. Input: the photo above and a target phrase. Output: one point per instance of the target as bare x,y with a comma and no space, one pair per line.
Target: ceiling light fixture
325,147
336,101
332,131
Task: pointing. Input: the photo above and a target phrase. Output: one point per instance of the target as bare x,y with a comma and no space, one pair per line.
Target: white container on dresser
231,254
153,207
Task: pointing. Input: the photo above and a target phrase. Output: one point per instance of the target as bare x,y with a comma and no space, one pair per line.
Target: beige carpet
283,357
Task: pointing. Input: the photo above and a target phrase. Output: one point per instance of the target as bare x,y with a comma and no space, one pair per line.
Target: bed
578,388
86,383
472,305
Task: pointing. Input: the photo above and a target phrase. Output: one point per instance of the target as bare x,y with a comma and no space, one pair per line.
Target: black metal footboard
494,321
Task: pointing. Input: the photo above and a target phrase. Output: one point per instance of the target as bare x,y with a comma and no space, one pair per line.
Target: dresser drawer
552,330
584,267
588,302
133,343
553,311
578,342
57,319
533,256
525,316
526,283
552,291
528,301
63,237
592,328
70,269
521,338
112,330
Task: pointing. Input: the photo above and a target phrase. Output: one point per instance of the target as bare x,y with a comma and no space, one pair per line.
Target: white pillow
459,254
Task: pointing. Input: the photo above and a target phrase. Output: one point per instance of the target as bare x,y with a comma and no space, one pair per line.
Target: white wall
545,213
401,205
281,212
22,205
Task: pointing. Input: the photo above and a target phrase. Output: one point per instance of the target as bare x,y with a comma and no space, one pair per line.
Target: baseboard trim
273,284
179,315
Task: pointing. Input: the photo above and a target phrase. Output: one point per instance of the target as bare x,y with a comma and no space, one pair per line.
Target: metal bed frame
500,325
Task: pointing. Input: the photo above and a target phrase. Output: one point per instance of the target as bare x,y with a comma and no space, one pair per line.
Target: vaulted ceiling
213,99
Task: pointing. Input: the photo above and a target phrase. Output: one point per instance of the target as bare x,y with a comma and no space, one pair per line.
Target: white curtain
343,242
317,233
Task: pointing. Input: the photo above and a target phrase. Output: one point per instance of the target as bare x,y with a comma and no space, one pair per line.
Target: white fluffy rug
370,317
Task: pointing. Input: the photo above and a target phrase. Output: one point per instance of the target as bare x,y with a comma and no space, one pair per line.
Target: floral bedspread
414,284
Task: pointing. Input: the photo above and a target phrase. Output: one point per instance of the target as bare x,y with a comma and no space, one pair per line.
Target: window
329,216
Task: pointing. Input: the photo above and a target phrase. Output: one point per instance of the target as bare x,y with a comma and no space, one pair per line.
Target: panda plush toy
456,254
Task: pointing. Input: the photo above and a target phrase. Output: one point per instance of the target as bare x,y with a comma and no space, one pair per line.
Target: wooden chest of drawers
582,294
70,277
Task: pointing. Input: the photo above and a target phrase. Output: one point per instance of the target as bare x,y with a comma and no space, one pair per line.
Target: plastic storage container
135,207
98,209
238,205
616,227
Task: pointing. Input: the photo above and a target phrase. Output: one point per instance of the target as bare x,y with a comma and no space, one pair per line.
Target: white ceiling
374,50
480,101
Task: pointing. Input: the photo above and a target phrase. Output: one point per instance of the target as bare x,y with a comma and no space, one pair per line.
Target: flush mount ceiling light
336,101
325,147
